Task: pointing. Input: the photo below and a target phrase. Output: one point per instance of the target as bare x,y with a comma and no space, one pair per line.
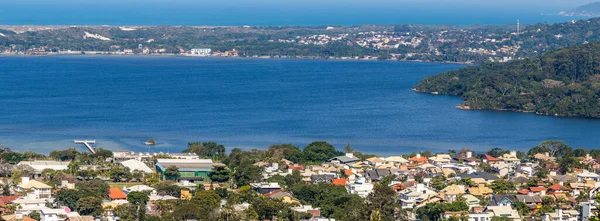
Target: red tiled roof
421,159
339,182
116,194
490,158
537,189
523,192
7,199
556,187
28,219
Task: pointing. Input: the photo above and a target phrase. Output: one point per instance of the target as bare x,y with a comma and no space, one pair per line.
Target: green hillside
560,83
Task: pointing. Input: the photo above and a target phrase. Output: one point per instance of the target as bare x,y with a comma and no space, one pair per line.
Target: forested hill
588,9
560,83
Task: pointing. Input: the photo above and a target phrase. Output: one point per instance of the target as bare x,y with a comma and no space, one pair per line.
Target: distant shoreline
224,57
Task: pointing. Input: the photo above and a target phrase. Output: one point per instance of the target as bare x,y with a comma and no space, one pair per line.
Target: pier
87,143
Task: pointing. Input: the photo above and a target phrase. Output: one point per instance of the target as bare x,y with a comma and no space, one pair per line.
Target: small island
565,82
151,141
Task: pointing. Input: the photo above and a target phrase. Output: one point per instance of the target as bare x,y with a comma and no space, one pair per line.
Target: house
466,157
544,157
510,158
349,158
321,178
263,188
504,211
451,193
487,177
53,215
502,200
478,214
440,159
137,188
284,196
339,181
489,159
587,175
557,188
134,165
189,169
471,201
116,194
418,159
375,161
561,215
396,160
40,165
502,168
538,190
315,212
534,203
39,190
416,195
29,204
360,187
377,174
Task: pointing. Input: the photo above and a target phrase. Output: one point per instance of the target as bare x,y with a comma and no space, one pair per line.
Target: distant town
550,182
472,44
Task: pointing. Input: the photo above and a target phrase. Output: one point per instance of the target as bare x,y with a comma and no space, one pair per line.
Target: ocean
283,13
120,101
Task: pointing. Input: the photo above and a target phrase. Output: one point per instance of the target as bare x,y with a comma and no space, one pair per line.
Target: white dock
87,144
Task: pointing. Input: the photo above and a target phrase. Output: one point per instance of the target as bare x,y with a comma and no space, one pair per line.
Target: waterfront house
375,161
440,159
510,158
396,160
544,157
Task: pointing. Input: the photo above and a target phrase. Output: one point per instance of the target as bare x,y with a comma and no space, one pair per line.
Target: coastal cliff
565,82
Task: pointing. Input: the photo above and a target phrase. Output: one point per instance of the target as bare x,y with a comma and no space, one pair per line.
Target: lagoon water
46,102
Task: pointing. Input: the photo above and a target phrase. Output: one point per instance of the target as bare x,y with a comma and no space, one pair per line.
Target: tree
102,153
67,197
35,215
247,173
206,149
438,182
383,200
119,172
497,152
267,209
96,188
502,187
219,174
285,151
168,188
139,199
90,205
126,212
319,151
293,179
172,173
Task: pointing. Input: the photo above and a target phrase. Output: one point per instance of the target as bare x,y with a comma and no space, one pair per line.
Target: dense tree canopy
562,83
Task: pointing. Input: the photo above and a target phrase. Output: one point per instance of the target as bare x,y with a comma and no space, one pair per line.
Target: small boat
150,142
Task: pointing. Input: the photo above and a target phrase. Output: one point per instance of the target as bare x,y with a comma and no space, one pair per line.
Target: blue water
46,102
279,12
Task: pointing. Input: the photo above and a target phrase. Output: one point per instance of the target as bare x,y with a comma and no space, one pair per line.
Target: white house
561,215
416,195
38,189
587,175
28,205
360,187
201,51
53,215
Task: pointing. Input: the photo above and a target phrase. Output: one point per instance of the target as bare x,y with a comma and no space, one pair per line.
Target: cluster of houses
413,183
359,176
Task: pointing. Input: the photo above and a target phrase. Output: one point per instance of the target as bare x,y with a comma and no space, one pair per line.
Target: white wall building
201,51
360,187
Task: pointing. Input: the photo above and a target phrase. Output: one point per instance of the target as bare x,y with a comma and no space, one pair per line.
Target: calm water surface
46,102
